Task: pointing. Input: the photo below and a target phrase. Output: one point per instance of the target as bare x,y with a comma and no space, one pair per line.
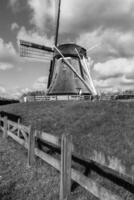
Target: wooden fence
55,98
27,137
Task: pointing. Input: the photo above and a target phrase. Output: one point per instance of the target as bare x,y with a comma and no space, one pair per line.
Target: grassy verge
104,126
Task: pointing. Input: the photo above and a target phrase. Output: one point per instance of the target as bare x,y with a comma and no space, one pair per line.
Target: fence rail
27,137
55,97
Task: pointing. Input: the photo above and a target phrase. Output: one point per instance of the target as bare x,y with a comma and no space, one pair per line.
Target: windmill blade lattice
36,51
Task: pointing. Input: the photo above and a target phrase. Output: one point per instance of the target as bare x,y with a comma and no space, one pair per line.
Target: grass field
103,126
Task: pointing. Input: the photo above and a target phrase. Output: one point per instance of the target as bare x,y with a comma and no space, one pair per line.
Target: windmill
69,72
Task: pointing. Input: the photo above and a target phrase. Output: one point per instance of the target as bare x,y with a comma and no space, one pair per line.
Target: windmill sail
32,50
58,23
86,67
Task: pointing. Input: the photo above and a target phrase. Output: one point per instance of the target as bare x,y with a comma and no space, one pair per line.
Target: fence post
5,126
31,146
65,173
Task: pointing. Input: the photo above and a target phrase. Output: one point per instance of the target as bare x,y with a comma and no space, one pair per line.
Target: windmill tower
69,72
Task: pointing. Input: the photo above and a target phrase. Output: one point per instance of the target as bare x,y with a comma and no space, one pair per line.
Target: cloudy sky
106,24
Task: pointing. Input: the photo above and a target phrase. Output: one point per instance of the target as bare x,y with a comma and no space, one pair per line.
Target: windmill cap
69,50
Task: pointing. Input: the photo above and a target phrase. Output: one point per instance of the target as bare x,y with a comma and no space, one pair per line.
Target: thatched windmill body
69,72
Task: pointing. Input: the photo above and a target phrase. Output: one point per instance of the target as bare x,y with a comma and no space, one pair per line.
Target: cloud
17,92
34,36
43,14
9,58
41,83
14,26
15,5
91,15
113,58
109,44
7,93
114,74
7,52
109,22
114,84
14,92
2,90
114,68
78,17
7,47
13,2
5,66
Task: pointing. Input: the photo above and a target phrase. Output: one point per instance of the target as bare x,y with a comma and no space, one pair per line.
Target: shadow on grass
94,167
